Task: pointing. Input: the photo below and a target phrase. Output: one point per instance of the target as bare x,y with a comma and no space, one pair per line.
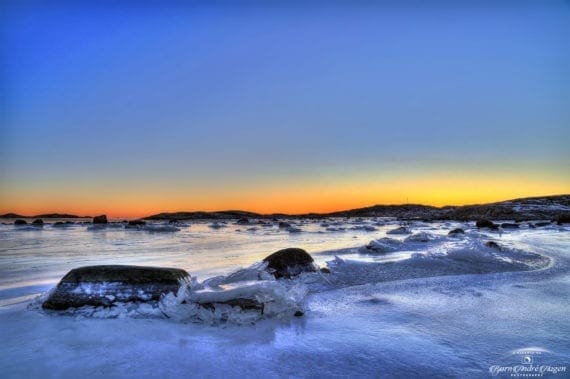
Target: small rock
102,219
508,225
284,225
486,224
298,314
493,245
325,270
242,221
456,232
60,224
563,219
135,223
541,223
290,262
20,222
38,222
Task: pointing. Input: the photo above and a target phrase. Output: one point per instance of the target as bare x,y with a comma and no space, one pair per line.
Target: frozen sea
421,304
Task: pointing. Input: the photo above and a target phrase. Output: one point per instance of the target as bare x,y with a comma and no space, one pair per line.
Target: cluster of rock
109,284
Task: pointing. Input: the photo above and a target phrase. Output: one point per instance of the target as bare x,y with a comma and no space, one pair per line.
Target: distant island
530,208
46,215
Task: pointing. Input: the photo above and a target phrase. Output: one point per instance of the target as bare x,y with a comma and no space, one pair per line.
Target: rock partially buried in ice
493,245
400,230
102,219
105,285
540,224
419,237
290,262
456,232
382,245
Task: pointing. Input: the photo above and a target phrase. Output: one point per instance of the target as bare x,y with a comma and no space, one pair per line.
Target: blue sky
248,96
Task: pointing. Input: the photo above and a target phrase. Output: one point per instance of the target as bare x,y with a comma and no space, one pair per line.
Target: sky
144,107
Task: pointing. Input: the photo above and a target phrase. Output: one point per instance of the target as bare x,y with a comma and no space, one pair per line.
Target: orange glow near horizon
293,198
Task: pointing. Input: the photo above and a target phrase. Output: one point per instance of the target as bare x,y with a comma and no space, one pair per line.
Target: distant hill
47,215
531,208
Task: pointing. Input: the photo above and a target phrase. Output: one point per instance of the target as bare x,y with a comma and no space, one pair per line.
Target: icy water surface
409,305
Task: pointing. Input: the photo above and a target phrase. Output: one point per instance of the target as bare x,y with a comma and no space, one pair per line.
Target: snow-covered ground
394,305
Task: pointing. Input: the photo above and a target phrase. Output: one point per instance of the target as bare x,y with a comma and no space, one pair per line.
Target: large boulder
100,219
290,262
106,285
38,222
20,222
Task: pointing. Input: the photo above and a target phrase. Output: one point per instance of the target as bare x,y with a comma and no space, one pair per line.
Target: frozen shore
437,306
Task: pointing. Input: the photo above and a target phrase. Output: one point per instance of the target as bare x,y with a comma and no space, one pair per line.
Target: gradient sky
156,106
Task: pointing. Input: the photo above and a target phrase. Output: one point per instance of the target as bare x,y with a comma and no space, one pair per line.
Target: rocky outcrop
106,285
102,219
290,262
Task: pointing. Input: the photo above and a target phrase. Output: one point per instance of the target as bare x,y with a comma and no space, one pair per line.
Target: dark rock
540,224
493,245
290,262
20,222
508,225
456,232
563,219
325,270
284,225
486,224
298,314
135,223
242,221
173,221
60,224
100,219
38,222
105,285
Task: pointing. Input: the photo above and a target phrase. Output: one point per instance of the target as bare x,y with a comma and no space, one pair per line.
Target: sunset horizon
114,214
